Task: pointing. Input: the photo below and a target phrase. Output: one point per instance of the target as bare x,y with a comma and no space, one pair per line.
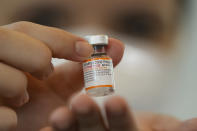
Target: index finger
62,44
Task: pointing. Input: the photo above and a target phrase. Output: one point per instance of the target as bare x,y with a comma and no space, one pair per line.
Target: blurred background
158,71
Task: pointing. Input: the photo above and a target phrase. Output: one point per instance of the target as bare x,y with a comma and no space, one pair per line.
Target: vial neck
99,50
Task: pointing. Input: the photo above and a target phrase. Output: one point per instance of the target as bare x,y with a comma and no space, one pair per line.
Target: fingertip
82,104
44,73
8,119
62,118
116,105
17,101
119,115
48,71
87,114
118,42
115,50
47,129
83,49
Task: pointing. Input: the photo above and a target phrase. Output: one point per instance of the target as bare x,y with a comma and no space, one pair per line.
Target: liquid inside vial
98,69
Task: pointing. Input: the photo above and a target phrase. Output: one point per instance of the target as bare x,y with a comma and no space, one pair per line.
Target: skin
38,95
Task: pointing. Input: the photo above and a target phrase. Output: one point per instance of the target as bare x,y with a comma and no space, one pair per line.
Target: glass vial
98,69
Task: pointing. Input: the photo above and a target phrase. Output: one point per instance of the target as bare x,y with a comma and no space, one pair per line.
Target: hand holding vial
30,88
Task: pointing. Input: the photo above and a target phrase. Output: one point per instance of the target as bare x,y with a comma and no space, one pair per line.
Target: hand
27,75
85,115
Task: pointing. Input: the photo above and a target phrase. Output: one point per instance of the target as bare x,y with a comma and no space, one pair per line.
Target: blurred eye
49,16
138,24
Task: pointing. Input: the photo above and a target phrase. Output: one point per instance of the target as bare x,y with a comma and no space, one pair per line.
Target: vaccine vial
98,69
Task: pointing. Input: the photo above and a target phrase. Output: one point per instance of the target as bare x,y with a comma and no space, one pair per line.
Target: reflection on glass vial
98,69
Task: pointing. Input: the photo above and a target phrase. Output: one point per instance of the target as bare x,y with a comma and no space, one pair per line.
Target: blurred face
149,19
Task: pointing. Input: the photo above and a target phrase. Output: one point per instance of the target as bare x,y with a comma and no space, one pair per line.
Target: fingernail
23,99
49,71
18,101
44,75
83,49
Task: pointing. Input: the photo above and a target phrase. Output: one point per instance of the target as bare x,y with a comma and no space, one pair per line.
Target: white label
98,72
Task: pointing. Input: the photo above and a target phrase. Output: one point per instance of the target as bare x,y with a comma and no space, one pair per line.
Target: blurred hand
85,116
27,75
